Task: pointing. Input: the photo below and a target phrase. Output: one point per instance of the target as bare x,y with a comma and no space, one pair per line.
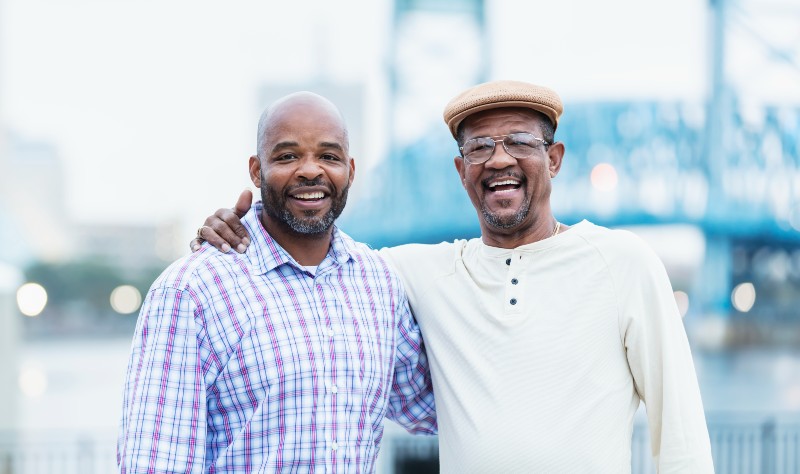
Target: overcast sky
152,105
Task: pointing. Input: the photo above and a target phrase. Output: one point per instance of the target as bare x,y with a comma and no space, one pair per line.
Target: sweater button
514,281
508,261
513,301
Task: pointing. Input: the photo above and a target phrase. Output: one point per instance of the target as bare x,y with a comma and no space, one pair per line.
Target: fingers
244,202
224,229
210,232
195,244
227,225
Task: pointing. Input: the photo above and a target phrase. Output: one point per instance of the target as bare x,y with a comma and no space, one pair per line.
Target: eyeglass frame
501,138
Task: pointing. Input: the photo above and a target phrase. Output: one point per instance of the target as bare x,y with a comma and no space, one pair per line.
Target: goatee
310,223
507,222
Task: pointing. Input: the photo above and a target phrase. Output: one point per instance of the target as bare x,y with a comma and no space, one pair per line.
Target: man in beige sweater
543,338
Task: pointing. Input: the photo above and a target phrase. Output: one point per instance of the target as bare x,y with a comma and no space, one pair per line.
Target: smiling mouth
508,184
312,196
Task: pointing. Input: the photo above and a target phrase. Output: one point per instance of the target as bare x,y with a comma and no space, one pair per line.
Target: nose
308,168
500,158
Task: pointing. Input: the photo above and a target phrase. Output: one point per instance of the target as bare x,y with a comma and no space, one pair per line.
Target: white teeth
501,183
316,195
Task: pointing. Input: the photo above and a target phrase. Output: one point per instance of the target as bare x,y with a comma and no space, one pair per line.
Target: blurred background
124,124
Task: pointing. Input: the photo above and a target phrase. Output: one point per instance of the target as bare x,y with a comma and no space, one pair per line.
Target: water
754,381
72,384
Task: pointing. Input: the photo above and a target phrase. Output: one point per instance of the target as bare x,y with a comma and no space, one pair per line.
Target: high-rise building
32,202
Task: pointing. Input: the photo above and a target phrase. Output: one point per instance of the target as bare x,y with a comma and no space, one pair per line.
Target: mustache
308,183
503,174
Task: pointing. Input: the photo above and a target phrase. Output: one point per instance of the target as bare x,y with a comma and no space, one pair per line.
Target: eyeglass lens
518,145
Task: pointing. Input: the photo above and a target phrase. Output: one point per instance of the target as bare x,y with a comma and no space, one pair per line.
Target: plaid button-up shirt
251,363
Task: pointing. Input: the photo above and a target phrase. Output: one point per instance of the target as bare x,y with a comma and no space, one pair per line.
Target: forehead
501,121
305,123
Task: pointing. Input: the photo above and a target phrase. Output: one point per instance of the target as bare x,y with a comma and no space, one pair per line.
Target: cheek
273,181
537,171
472,177
473,186
341,176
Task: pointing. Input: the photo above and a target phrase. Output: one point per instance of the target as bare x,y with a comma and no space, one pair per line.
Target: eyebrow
283,145
290,144
331,145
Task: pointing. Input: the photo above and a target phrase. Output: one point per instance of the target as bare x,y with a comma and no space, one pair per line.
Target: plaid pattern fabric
250,363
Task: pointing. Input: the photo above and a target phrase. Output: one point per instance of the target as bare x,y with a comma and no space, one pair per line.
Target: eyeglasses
519,145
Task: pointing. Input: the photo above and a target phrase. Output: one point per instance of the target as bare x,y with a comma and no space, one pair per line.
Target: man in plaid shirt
286,357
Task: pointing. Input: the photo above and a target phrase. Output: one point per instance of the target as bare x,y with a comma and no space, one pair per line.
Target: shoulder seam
613,284
181,278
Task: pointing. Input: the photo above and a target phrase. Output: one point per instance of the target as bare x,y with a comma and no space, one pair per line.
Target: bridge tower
766,33
437,48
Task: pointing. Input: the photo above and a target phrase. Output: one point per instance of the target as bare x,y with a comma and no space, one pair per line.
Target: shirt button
334,446
514,281
330,332
513,301
334,389
508,261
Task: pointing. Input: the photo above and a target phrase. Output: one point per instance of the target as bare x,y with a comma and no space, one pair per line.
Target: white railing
739,445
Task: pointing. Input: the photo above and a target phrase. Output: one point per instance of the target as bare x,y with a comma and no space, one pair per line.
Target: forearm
411,402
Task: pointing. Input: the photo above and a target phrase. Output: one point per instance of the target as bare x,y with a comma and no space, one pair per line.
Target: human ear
352,170
460,167
255,170
555,155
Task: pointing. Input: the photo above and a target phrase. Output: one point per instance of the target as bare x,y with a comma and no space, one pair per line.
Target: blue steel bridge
657,154
726,167
632,163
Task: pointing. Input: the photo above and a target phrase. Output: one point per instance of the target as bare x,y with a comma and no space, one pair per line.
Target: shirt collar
265,254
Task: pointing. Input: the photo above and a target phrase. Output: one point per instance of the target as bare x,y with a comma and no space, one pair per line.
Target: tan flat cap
496,94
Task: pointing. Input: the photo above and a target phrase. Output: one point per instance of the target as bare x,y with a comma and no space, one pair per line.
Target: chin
506,220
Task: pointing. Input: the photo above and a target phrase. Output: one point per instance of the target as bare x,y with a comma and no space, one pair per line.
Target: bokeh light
125,299
604,177
682,300
743,297
31,299
32,381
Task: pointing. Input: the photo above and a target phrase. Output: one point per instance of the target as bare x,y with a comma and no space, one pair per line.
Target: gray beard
309,225
508,222
275,206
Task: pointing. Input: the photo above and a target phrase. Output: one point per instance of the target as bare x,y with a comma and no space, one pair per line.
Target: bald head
302,166
304,102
